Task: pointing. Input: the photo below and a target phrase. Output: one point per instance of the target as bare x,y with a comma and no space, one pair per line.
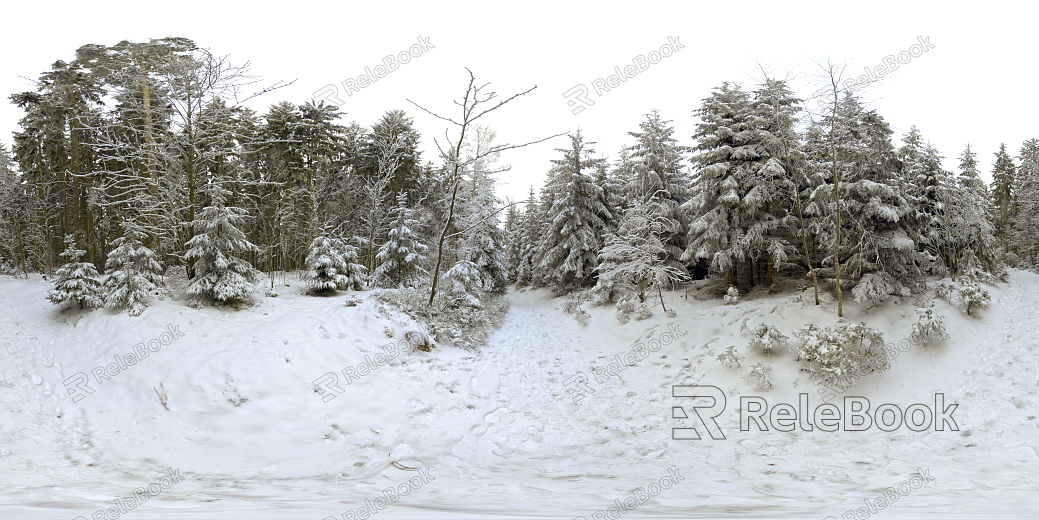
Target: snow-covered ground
492,433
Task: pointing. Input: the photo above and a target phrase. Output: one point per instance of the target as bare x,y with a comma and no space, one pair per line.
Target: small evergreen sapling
731,296
220,274
331,265
930,326
765,338
76,281
842,354
133,272
730,358
759,376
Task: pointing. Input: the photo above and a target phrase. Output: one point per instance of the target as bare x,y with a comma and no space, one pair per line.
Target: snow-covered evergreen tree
971,233
76,281
877,222
636,258
576,218
657,179
400,258
529,234
481,240
1003,195
1026,235
133,271
221,275
332,265
740,209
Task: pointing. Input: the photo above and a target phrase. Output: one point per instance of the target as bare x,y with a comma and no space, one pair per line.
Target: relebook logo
827,417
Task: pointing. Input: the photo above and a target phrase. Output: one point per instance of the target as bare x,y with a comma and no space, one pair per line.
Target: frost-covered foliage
759,376
875,287
731,296
930,326
572,305
401,256
463,325
841,354
76,281
624,309
643,312
220,274
765,338
972,294
332,265
462,284
943,291
133,272
730,358
634,258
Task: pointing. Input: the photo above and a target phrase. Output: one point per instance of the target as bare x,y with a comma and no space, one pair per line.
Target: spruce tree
133,270
971,233
332,265
1027,221
1003,195
400,257
76,281
221,275
576,219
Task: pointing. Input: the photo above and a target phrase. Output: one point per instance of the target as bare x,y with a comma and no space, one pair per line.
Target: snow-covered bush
730,358
643,312
76,281
463,325
572,305
624,309
765,338
930,326
875,287
133,272
841,354
759,376
943,291
731,296
332,265
972,294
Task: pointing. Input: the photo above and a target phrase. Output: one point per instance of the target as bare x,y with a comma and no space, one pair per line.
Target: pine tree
877,222
76,281
1027,223
332,265
925,187
1003,196
971,233
529,232
657,179
740,208
480,239
221,275
133,271
572,240
400,257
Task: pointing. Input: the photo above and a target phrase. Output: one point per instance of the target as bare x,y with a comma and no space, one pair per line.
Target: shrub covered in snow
643,312
972,294
624,309
221,274
841,354
465,326
875,287
732,295
930,326
765,338
730,358
76,281
572,305
759,376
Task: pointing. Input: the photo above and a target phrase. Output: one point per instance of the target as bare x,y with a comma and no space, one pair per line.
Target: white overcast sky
976,85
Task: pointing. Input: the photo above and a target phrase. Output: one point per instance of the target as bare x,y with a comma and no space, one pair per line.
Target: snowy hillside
248,427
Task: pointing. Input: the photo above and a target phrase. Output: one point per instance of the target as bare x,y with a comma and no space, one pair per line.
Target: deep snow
495,428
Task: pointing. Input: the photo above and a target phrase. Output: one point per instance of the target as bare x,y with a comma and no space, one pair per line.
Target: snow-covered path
497,428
